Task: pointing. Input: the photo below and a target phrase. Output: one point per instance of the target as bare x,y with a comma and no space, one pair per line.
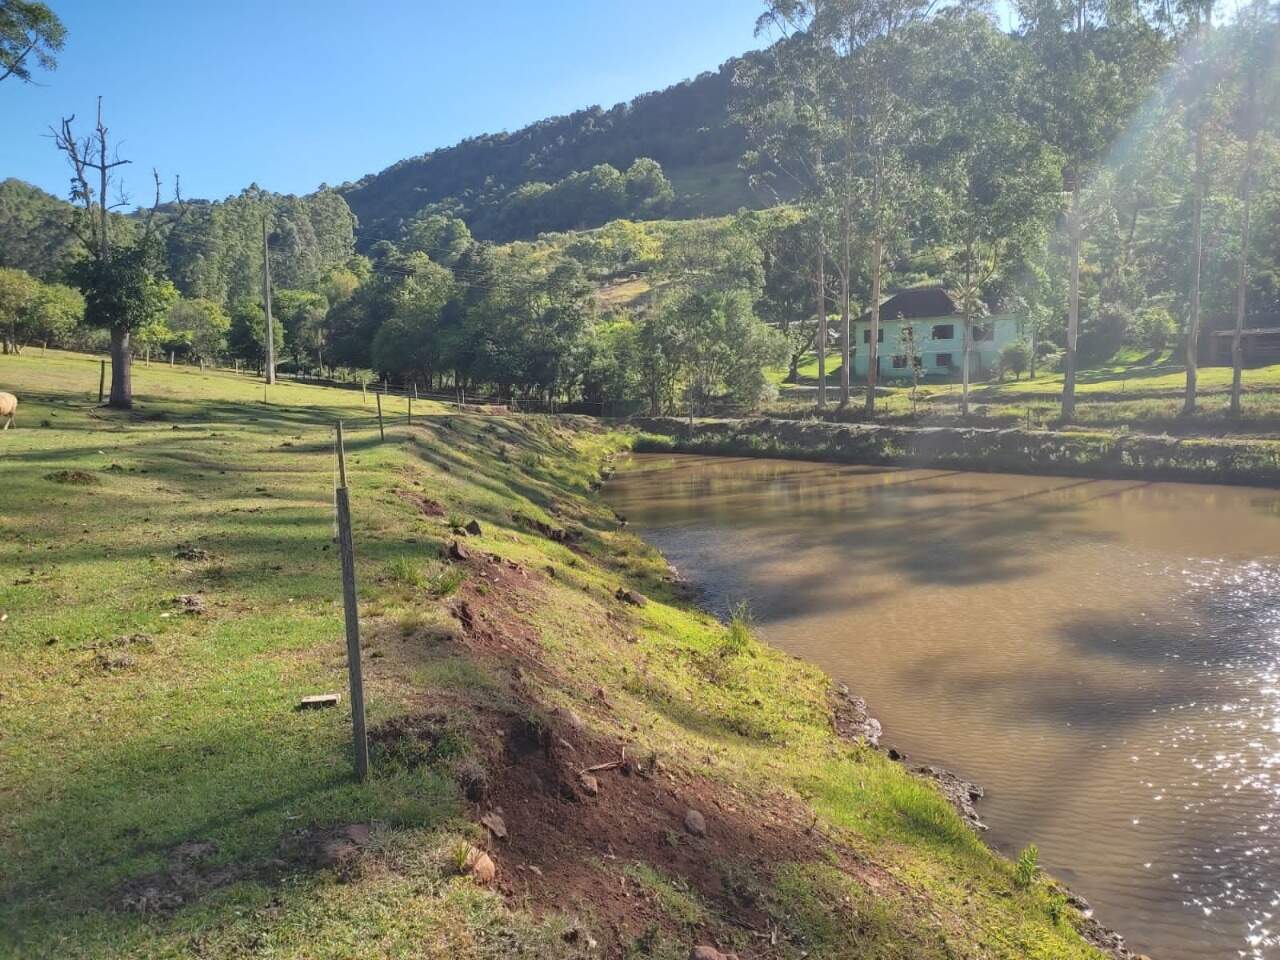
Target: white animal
8,409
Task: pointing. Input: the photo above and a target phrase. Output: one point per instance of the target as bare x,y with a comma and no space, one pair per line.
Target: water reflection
1104,656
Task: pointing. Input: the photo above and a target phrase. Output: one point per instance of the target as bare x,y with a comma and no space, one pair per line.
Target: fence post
102,378
382,434
415,388
364,391
411,407
351,606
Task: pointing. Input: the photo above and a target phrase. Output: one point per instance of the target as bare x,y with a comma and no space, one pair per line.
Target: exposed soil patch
424,505
75,478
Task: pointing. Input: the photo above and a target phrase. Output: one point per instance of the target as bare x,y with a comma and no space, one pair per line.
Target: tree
1256,63
247,333
301,314
30,35
999,181
1015,359
17,291
876,48
120,275
203,326
781,106
54,313
1093,63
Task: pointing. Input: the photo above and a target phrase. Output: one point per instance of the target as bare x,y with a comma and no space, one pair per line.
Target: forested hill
514,185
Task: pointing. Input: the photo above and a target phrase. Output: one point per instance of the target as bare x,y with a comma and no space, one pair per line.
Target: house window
900,362
944,331
942,360
866,335
983,331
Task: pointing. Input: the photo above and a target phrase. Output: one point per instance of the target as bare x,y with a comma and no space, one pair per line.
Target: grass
132,727
1134,391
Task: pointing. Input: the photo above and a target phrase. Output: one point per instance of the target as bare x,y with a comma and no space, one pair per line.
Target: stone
481,866
633,597
473,528
695,822
710,953
319,701
590,785
458,552
496,825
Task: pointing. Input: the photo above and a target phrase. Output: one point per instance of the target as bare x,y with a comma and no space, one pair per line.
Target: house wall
941,355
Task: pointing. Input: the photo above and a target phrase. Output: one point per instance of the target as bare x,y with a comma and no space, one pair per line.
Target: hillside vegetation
171,592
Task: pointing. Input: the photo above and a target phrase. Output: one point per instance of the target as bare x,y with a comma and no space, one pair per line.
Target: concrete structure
938,331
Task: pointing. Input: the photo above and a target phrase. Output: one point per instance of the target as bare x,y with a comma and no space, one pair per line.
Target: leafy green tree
781,106
999,181
247,333
17,291
443,238
54,313
31,35
203,326
407,343
302,315
1093,62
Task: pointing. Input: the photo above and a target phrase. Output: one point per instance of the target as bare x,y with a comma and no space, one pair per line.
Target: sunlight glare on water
1103,656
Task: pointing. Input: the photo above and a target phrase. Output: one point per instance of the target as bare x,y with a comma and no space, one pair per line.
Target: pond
1102,656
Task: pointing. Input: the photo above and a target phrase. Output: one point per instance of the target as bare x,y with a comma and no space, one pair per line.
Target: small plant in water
1026,866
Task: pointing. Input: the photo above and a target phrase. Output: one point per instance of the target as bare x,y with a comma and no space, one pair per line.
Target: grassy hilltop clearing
170,591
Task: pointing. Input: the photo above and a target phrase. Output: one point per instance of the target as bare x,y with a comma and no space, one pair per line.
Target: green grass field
1131,392
162,797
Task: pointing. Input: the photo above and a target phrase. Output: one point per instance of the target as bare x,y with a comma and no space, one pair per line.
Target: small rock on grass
695,823
496,825
473,528
710,953
633,597
481,866
458,552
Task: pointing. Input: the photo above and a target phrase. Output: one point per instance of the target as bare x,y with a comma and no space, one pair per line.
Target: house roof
916,303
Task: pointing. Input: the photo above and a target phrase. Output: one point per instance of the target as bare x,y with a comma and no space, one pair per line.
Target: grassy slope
1127,393
131,728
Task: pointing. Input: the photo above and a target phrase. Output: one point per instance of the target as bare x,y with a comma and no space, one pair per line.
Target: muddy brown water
1102,656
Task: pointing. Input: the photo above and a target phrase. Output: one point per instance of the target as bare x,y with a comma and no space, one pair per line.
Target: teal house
937,329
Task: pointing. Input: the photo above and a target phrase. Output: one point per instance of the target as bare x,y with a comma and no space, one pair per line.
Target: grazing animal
8,409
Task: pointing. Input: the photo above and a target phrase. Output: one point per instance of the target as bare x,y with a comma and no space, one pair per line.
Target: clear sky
293,93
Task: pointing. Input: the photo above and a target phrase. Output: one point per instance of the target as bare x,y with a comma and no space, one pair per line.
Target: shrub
1015,359
1026,867
738,635
404,571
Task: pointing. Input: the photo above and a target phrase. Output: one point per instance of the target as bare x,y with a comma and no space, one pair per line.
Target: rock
319,701
695,822
473,528
633,597
571,719
497,826
481,866
590,785
458,552
851,718
960,793
896,755
190,603
710,953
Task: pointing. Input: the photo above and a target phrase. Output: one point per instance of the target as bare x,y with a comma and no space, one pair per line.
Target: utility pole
266,302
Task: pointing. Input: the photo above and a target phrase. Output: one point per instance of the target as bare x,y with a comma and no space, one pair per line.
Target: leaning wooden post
382,434
102,379
347,550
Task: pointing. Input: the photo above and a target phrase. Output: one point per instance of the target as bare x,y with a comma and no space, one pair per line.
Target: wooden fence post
382,434
364,391
102,379
411,410
351,606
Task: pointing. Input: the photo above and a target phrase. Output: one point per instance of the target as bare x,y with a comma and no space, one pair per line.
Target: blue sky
293,93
